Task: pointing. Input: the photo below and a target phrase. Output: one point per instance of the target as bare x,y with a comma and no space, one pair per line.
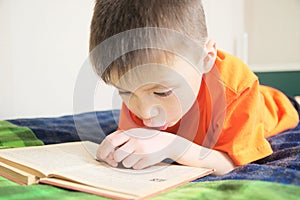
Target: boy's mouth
164,127
159,128
156,125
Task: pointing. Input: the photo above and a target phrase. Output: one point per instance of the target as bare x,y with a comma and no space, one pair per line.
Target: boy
207,110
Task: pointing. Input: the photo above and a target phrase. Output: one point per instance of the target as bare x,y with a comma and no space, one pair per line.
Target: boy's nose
148,112
154,118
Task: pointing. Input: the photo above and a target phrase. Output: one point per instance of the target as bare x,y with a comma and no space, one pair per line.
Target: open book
74,166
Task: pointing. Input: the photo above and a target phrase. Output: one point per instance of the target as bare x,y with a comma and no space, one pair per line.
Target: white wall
42,46
273,27
225,21
6,74
264,33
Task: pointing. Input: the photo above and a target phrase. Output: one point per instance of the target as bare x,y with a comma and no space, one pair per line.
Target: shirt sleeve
242,136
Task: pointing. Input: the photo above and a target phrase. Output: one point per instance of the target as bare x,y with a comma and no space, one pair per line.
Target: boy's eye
163,94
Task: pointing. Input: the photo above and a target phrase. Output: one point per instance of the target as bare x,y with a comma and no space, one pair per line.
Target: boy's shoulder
232,72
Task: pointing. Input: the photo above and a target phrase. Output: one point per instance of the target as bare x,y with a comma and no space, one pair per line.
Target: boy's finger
124,151
131,160
109,144
110,160
117,139
143,163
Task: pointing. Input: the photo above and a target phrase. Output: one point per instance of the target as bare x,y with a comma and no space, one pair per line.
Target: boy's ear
210,55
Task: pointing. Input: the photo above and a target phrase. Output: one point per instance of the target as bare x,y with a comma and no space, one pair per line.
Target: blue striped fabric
283,166
92,126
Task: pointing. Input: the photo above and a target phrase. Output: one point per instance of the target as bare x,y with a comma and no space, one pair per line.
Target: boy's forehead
154,74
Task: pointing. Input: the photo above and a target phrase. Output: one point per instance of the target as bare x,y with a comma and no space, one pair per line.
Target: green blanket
229,189
14,136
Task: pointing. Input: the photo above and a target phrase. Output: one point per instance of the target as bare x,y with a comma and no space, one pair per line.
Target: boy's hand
138,148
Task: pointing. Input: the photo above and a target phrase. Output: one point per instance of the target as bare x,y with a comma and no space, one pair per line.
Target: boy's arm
199,156
136,151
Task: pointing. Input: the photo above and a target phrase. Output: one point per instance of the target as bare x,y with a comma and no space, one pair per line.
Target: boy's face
158,94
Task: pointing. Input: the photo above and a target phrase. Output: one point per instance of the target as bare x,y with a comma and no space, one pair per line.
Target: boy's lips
164,127
160,128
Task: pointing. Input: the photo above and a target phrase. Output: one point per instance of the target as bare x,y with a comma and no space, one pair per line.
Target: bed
274,177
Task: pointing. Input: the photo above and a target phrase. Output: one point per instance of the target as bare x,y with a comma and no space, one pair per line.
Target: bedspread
277,174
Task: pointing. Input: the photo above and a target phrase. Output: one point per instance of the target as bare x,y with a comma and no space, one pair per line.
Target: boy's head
134,72
115,16
112,17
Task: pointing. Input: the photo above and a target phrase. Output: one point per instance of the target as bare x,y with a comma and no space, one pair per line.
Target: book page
76,162
17,175
51,158
138,182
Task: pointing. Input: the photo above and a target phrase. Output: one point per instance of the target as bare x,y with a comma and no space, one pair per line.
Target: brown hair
112,17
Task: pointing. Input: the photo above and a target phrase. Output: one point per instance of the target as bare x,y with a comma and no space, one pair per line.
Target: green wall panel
286,81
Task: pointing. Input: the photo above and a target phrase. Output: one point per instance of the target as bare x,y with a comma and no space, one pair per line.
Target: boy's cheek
185,98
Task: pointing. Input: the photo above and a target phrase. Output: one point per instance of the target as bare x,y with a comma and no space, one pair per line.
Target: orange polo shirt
232,114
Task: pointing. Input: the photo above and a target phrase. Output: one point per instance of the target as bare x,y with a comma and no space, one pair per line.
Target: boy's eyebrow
157,86
166,84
